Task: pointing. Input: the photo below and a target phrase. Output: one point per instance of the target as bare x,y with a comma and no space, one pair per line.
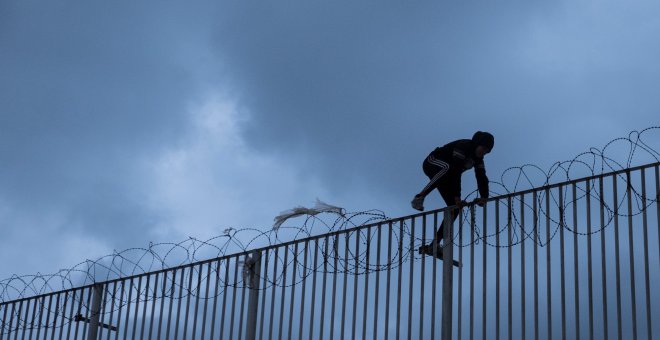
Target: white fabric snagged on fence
318,208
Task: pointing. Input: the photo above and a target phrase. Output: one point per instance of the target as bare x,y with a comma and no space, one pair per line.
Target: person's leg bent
449,200
435,169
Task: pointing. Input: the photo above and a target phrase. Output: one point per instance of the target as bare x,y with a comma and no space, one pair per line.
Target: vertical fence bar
137,307
355,281
10,329
421,283
377,283
221,330
128,308
649,331
169,313
153,305
241,316
472,222
121,305
189,292
254,269
235,294
206,297
509,220
25,324
112,311
34,313
284,269
293,289
272,300
4,328
410,279
313,305
562,224
589,263
398,296
50,304
575,264
535,220
483,265
459,326
302,296
98,290
335,248
80,306
602,255
10,326
345,287
162,307
198,293
616,258
548,262
366,284
435,250
522,265
242,310
63,317
54,327
179,301
497,269
325,275
631,255
20,325
389,274
263,299
104,312
657,203
47,311
144,308
447,276
18,321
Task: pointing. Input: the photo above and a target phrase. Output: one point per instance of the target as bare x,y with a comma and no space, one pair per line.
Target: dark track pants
436,169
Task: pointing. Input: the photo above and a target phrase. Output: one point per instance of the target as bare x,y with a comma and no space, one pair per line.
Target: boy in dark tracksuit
444,167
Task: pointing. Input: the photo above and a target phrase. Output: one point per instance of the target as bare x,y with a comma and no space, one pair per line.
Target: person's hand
480,201
460,203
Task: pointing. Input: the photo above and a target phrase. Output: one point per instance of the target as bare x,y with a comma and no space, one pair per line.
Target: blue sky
124,123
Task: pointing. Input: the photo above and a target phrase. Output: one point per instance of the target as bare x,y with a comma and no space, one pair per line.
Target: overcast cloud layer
125,123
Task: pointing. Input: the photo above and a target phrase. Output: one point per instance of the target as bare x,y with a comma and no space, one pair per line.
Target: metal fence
577,259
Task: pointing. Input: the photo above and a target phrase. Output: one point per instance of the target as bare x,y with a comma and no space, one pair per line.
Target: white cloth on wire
318,208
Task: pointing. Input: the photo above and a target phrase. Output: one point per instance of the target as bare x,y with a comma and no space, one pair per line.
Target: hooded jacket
460,155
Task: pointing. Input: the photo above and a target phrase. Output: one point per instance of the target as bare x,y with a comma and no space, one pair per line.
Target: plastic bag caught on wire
319,207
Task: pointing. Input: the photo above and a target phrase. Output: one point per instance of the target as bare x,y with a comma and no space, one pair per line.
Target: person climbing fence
444,166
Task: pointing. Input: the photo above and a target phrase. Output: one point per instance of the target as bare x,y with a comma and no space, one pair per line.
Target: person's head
484,143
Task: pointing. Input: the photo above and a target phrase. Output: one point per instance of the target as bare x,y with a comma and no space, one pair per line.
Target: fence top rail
336,233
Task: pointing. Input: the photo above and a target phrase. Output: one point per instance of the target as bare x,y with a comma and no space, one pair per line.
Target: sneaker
429,249
418,203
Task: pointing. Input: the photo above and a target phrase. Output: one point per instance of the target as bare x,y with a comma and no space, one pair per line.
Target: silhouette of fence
577,259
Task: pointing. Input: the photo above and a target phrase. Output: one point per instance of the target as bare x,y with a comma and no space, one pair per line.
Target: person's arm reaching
482,181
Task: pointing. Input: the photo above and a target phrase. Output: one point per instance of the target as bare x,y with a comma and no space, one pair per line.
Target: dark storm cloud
365,90
95,101
87,92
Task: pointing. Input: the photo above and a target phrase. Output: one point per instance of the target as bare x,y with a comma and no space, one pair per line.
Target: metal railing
577,259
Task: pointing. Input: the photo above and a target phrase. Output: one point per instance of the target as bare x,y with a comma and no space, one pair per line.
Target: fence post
95,311
447,274
253,266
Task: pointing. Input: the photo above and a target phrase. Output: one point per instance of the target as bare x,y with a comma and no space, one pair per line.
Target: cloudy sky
128,122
